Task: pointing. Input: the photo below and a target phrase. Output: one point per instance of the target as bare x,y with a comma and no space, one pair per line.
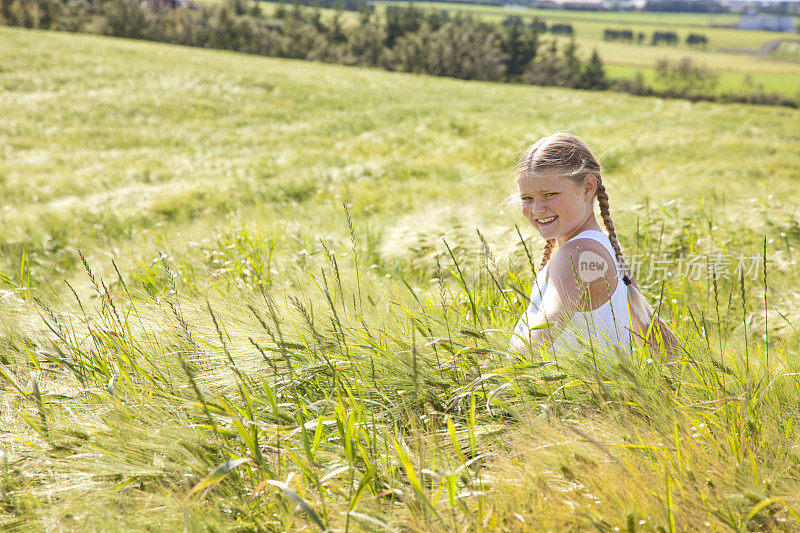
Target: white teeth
545,220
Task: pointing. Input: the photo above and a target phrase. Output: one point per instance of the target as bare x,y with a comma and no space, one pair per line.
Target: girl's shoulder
584,254
583,264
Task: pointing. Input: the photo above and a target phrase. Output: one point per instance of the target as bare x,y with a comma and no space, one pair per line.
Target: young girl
584,290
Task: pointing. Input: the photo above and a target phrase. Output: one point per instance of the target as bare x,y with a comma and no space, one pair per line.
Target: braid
638,305
548,250
605,213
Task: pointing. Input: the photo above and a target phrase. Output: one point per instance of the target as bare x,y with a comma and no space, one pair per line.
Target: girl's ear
589,187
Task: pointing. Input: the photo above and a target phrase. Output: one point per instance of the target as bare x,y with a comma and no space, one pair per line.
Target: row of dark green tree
671,38
686,6
407,39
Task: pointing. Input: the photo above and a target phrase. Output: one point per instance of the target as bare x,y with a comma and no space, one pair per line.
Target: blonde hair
573,159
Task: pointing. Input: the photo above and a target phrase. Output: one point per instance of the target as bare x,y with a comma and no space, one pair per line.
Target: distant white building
752,20
632,4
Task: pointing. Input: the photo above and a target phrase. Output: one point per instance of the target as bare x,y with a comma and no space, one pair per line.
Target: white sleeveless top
604,326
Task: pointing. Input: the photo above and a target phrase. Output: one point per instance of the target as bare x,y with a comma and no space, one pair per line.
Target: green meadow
726,52
620,17
241,293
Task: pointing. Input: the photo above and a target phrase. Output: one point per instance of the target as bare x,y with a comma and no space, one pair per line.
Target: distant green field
257,359
735,81
605,17
778,72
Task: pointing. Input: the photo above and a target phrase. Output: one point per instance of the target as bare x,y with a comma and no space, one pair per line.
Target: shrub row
693,39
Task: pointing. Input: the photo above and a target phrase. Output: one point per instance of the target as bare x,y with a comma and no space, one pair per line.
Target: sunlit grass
257,358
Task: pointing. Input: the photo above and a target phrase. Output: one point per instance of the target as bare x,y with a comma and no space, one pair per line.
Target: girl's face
554,205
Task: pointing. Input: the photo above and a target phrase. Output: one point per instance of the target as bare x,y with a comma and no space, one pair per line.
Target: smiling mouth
546,221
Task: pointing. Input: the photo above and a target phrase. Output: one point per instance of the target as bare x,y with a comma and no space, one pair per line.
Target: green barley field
730,52
242,293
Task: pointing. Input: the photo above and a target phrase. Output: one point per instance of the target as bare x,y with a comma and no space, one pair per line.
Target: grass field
620,17
590,24
778,71
261,362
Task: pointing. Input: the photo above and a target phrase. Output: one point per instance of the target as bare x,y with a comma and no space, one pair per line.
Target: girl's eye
550,194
